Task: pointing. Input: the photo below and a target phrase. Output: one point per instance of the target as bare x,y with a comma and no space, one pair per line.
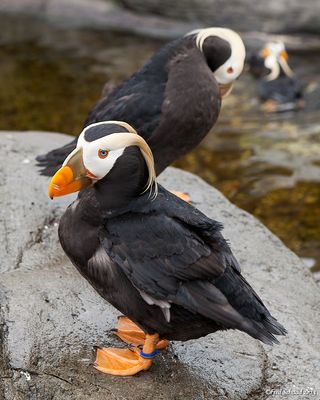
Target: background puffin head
270,62
224,52
111,156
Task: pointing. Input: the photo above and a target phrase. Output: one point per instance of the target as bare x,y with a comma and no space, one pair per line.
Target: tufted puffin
174,99
278,87
157,259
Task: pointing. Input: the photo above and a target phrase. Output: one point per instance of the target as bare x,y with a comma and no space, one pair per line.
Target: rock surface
97,14
273,16
50,317
168,19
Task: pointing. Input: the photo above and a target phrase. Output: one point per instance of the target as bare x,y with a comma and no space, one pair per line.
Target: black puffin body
172,101
285,90
158,260
163,252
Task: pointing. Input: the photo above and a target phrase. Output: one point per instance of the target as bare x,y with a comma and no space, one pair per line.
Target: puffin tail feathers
266,331
257,320
231,305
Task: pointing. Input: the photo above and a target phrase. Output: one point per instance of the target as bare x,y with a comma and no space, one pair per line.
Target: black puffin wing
297,88
50,162
169,263
174,254
159,251
208,229
136,102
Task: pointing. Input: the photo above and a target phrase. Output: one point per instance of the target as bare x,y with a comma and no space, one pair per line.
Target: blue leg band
149,355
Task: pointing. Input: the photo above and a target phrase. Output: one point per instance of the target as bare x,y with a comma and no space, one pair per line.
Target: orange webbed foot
269,106
120,362
182,195
127,362
130,333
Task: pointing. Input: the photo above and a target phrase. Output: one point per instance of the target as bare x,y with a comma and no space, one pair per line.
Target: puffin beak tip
64,182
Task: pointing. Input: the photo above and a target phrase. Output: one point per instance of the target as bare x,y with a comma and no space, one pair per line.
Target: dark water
268,165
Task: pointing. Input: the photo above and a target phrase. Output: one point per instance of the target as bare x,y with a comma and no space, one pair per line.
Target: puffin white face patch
99,159
274,48
232,68
100,153
275,55
271,63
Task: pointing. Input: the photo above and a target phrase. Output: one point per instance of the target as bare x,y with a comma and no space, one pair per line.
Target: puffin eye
103,153
230,70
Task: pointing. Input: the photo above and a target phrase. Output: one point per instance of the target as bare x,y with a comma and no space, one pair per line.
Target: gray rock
97,14
276,16
50,317
169,20
273,16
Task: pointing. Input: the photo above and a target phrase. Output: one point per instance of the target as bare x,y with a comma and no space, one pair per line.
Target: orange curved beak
284,55
265,53
71,177
63,183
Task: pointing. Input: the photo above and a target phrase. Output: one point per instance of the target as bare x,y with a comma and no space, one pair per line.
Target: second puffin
174,99
154,257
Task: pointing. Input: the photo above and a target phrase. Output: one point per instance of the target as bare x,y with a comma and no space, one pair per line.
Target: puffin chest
192,99
78,237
